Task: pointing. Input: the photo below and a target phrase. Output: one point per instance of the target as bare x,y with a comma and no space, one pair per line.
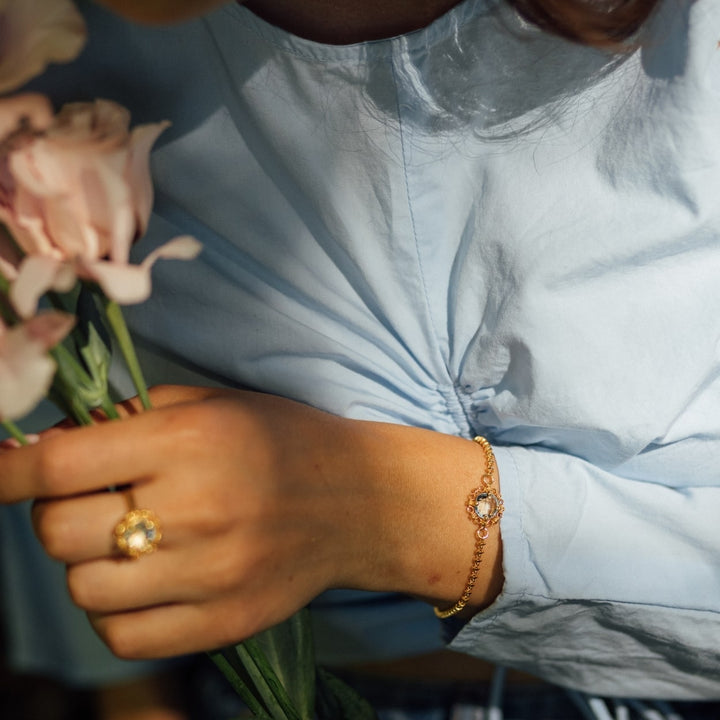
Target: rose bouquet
75,194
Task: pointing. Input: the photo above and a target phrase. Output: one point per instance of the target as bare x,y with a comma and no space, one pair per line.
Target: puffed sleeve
612,579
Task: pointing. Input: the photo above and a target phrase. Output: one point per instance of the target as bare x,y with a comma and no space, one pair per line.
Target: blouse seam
421,270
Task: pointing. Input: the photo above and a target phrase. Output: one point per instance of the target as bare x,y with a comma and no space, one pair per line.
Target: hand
264,504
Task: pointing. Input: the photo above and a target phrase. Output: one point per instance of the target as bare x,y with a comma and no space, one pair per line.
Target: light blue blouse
473,228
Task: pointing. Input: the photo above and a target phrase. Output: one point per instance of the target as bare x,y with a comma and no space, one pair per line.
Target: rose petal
183,247
31,109
26,372
111,208
36,275
125,284
37,32
141,141
24,384
130,284
81,188
9,256
49,327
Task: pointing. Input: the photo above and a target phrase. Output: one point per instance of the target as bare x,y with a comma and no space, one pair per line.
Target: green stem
122,335
15,431
69,371
109,408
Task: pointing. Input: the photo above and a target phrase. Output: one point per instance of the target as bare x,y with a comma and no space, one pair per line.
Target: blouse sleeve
612,578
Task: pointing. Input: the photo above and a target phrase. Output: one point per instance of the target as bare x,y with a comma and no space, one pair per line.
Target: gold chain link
480,496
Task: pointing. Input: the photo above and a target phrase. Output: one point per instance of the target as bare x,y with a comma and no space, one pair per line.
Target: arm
612,583
264,502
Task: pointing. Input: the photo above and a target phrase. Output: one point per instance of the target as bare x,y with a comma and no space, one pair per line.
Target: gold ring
138,533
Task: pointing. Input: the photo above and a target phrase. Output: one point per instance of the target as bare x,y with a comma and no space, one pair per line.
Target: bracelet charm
485,505
485,508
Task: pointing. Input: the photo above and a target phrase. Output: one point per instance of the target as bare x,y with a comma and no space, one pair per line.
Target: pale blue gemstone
486,505
140,535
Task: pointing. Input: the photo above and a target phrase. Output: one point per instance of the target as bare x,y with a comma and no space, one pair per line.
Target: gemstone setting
138,533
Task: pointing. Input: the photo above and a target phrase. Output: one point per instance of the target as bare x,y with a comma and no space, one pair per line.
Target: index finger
82,460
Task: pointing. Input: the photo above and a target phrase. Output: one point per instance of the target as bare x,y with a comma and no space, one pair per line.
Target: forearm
407,525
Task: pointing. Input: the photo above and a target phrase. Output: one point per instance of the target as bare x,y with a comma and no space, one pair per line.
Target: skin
329,21
160,11
264,503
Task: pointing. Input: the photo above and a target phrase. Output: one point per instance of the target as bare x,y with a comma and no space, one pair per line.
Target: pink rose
35,33
78,195
82,188
26,370
21,115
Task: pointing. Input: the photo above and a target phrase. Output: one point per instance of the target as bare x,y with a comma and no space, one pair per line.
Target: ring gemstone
138,533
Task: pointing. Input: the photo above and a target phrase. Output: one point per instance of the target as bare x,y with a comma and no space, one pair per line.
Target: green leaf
266,682
253,677
227,660
275,675
288,648
96,356
336,700
72,387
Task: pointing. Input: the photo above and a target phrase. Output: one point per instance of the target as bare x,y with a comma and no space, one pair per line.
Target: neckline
414,41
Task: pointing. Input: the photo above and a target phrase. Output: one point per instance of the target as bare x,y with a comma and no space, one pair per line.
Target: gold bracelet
485,508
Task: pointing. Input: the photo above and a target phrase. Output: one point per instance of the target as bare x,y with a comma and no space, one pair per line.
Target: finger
125,584
34,438
88,459
81,528
168,576
14,444
166,395
81,460
168,630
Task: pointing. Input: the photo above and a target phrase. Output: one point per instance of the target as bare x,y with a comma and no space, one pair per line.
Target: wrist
407,523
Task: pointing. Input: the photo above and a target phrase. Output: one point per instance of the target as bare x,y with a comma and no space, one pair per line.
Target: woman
420,226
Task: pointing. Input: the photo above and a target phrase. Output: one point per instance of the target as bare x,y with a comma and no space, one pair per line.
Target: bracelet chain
485,508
